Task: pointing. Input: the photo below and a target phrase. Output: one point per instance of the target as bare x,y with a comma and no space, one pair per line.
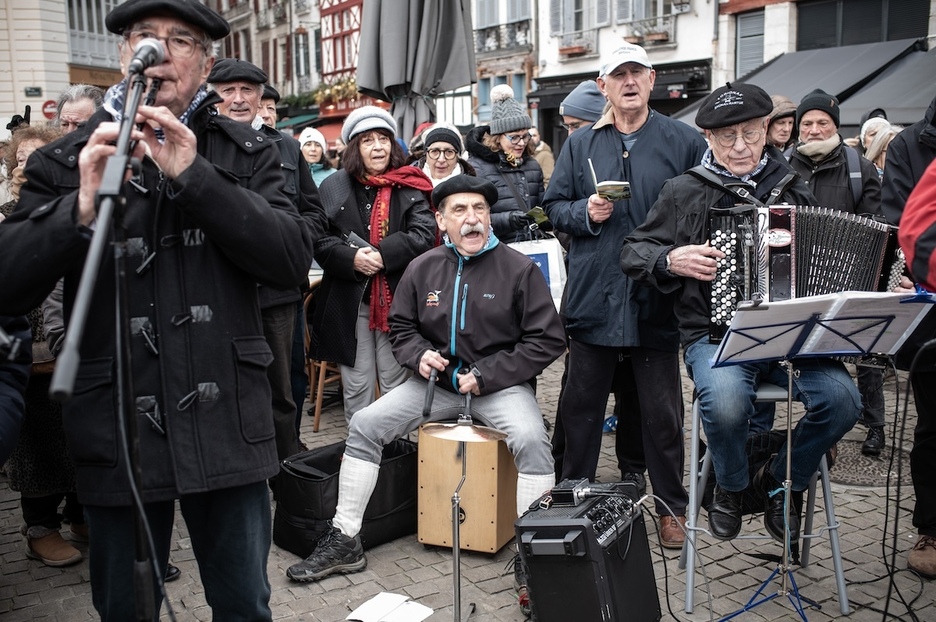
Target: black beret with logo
464,183
732,104
189,11
227,70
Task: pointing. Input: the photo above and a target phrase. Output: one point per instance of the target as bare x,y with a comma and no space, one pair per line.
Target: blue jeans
230,530
726,403
512,410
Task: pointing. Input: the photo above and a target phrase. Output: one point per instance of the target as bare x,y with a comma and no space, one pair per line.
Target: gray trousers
373,363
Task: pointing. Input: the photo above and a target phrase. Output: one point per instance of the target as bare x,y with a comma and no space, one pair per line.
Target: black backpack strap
854,172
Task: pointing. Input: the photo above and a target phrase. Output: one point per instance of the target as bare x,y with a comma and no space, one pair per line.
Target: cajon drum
488,496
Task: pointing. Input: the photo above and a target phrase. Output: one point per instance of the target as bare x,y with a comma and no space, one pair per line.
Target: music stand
842,324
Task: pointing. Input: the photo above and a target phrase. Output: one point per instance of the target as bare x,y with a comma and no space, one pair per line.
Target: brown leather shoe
52,550
922,558
671,531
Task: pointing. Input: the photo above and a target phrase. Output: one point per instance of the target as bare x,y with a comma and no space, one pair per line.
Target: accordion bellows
785,251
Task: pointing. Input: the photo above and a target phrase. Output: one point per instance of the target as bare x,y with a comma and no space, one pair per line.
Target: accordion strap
740,190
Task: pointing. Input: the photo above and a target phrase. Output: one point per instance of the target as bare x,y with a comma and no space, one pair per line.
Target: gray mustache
477,227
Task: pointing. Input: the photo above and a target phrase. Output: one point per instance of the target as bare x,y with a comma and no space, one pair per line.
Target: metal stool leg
833,525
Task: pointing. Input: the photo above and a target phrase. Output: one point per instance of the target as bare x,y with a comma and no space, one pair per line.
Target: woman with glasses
442,159
502,153
379,220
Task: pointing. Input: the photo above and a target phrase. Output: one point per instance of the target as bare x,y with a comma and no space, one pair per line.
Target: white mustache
475,228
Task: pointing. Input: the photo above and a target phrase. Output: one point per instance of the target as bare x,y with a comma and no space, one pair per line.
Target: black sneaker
638,479
874,443
334,553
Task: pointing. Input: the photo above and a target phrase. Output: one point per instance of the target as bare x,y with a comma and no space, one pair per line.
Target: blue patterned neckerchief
709,162
115,96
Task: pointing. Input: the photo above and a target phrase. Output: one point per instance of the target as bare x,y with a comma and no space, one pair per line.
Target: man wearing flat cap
672,251
206,220
240,85
503,331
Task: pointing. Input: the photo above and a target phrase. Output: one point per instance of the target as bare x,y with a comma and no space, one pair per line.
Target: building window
486,14
635,10
827,23
750,44
568,16
518,11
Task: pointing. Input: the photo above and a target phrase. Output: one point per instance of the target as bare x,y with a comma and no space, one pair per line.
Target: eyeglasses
571,127
371,139
448,153
518,138
180,46
729,138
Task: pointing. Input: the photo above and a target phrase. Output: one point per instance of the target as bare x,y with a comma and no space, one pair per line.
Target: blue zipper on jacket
458,315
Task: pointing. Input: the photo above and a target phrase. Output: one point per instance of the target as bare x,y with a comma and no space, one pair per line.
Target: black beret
190,11
732,104
464,183
235,70
270,93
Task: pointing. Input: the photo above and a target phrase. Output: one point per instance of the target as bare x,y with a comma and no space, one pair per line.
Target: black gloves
518,220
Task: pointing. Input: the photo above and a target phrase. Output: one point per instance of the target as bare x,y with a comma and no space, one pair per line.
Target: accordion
783,251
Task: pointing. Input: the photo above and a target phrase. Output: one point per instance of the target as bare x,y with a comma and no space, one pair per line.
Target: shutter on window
624,11
750,42
602,12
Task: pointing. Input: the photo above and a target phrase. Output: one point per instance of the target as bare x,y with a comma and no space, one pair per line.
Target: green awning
302,119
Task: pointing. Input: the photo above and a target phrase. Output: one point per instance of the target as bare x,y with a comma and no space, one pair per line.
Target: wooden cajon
488,496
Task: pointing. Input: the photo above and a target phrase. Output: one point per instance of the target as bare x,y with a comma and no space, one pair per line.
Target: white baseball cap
628,53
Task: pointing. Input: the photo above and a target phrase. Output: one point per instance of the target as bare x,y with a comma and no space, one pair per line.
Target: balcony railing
236,10
578,43
507,38
93,50
652,31
303,6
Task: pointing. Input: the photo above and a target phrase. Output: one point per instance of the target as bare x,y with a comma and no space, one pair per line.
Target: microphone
149,52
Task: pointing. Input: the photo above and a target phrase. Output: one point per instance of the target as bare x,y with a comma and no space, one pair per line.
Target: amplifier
590,561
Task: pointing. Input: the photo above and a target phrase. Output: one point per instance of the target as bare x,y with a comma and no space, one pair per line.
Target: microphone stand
112,209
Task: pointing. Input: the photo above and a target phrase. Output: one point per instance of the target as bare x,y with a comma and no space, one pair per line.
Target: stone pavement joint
30,591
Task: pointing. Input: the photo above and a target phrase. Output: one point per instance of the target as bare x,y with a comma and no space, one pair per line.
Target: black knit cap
190,11
227,70
464,183
732,104
443,134
818,100
270,93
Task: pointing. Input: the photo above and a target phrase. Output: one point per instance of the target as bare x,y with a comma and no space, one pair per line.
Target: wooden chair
321,373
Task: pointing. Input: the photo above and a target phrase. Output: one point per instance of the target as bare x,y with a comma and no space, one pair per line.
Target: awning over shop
296,123
841,71
904,90
331,132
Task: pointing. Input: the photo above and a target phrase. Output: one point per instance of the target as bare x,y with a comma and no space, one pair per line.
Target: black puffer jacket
526,179
198,246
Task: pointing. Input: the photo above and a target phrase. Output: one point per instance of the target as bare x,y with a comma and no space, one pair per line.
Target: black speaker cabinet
589,562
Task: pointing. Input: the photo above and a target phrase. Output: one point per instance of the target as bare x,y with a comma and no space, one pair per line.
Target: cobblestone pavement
30,591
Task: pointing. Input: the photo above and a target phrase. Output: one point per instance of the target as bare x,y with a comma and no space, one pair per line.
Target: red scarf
405,176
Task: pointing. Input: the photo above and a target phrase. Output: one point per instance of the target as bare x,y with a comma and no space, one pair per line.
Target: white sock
530,488
356,482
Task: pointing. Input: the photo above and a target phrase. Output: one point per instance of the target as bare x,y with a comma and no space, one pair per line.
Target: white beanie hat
312,135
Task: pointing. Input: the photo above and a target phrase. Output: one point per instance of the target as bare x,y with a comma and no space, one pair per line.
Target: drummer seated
479,313
671,251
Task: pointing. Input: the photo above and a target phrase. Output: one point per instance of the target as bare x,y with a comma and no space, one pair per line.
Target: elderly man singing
481,315
672,252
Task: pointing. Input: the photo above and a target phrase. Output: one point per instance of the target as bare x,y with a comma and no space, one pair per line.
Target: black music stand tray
843,324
